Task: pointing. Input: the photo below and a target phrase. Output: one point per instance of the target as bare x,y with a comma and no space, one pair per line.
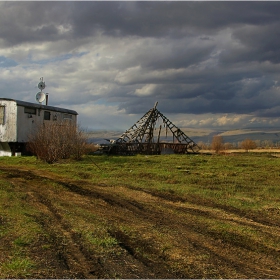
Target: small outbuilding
18,120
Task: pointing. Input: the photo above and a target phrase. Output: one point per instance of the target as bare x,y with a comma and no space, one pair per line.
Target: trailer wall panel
8,121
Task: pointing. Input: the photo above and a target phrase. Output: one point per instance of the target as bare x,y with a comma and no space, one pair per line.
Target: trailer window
47,115
30,110
67,116
2,114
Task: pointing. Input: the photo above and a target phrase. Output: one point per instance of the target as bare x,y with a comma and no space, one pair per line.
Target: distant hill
100,136
238,135
204,135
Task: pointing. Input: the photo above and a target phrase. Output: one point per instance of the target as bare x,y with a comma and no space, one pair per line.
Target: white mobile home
19,118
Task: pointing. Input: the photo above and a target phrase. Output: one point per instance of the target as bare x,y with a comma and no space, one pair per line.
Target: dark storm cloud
257,43
222,89
35,20
269,113
169,18
192,57
199,106
180,55
23,22
221,95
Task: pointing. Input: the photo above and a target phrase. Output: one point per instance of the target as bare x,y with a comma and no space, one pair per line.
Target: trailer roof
40,106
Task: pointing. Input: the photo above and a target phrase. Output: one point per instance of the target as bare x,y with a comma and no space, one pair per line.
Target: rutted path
156,235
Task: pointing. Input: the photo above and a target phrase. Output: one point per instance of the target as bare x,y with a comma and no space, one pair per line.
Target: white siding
5,149
8,132
26,122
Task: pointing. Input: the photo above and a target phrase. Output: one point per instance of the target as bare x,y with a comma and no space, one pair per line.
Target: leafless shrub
217,143
54,141
203,145
248,144
228,146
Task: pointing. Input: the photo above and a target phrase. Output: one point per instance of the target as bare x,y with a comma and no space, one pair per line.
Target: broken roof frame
141,139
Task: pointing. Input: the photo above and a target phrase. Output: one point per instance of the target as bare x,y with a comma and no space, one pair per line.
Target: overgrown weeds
54,141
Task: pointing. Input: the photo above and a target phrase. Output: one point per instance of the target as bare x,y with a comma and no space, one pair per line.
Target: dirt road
142,234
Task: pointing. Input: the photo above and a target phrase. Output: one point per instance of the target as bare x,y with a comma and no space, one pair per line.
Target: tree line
218,144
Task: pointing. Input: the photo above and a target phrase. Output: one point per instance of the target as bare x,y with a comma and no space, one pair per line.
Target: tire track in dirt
74,260
98,268
234,219
32,175
247,269
193,209
69,258
210,203
69,250
152,269
224,252
133,204
154,216
196,234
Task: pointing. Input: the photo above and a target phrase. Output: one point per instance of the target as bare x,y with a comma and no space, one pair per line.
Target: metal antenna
40,96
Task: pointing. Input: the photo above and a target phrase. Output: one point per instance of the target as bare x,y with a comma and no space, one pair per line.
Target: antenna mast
40,96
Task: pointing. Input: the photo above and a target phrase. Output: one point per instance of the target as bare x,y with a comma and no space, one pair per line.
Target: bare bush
54,141
228,146
203,145
217,143
248,144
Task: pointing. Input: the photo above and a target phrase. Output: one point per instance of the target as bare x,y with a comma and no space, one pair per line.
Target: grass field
169,216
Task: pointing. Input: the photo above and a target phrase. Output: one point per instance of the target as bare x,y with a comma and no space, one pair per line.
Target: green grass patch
248,181
16,267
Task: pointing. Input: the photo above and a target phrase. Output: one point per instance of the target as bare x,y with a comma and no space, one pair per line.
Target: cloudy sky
208,64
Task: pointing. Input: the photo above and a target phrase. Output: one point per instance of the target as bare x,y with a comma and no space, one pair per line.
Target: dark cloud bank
192,57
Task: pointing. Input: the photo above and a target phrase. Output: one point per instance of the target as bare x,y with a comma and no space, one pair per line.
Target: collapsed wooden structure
144,137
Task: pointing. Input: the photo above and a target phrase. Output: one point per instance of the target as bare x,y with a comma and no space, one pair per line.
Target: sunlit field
168,216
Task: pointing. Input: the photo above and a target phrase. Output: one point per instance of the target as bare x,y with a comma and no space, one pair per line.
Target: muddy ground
157,235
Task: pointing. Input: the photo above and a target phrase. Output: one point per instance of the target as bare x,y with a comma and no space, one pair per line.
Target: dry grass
194,216
241,151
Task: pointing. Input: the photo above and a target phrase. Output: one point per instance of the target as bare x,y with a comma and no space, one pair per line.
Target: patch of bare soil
157,235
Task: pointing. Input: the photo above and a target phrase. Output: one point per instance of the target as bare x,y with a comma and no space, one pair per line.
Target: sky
213,65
